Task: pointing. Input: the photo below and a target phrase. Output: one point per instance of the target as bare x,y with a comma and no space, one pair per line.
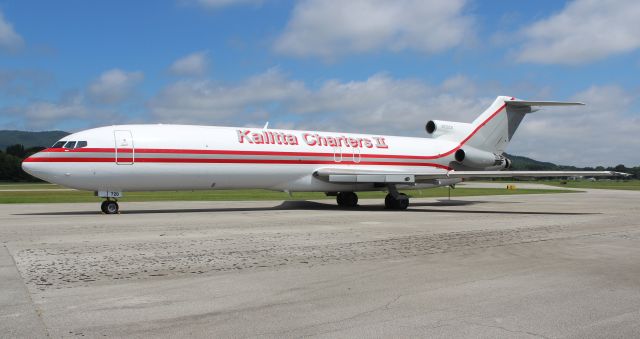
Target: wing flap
373,178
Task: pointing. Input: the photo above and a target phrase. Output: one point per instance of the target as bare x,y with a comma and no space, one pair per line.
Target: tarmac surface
551,265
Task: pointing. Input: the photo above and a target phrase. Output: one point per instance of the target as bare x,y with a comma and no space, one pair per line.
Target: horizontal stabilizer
521,103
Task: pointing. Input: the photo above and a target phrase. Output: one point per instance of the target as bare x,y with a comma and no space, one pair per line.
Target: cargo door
125,153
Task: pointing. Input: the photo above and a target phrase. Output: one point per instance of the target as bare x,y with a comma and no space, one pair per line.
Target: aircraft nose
34,165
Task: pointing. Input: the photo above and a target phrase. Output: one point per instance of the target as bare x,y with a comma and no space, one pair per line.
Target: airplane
154,157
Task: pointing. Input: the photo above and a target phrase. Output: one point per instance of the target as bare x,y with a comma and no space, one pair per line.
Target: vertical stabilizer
495,127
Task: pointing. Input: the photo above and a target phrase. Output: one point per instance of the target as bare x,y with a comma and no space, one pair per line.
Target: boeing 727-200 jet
116,159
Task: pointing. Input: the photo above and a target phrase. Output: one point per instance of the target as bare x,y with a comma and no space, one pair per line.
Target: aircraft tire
347,199
111,207
103,207
399,203
402,202
389,202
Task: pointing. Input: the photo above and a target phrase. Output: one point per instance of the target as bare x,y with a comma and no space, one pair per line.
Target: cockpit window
70,144
58,144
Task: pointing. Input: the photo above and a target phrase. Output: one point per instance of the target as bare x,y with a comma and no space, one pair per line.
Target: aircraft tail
494,128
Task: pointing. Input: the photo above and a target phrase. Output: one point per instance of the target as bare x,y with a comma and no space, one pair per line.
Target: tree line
11,161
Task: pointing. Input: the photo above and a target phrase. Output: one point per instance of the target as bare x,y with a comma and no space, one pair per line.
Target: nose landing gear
109,207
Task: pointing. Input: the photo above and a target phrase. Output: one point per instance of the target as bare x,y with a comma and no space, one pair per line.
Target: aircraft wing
354,175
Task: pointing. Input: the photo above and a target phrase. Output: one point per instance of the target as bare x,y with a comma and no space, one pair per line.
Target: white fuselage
182,157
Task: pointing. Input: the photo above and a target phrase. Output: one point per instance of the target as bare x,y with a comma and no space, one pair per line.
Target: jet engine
475,158
436,128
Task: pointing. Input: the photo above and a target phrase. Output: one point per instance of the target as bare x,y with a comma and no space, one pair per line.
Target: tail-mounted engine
475,158
436,128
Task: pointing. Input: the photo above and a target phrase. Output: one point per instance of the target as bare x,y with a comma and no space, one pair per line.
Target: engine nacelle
505,163
436,128
475,158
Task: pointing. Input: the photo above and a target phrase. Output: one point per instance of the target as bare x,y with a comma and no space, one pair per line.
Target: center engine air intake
431,127
436,128
475,158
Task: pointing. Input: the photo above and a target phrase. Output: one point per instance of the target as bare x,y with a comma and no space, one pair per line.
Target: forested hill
520,163
523,163
29,139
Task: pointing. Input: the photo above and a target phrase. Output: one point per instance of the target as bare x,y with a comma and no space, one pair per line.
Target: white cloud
194,64
584,31
382,104
114,86
47,111
331,28
9,39
47,115
206,101
216,4
70,111
73,109
377,104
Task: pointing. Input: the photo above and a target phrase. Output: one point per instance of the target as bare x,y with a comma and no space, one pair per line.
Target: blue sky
362,65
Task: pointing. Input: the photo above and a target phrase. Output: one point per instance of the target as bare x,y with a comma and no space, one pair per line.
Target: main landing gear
393,201
109,207
347,199
401,202
396,200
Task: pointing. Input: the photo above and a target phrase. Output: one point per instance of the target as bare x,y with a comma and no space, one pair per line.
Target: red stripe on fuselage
235,161
228,152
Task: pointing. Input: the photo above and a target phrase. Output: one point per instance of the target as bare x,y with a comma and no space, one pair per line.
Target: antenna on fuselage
266,126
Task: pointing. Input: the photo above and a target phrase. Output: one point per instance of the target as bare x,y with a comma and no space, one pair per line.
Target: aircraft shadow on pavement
313,205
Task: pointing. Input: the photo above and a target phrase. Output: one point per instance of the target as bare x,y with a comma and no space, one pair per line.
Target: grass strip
629,185
247,195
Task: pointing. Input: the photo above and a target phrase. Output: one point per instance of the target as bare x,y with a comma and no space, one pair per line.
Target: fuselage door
125,153
356,155
337,154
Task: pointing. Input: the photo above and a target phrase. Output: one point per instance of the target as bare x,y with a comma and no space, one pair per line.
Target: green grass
17,185
633,185
236,195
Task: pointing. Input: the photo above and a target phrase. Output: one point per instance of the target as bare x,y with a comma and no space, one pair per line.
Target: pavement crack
384,307
537,335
